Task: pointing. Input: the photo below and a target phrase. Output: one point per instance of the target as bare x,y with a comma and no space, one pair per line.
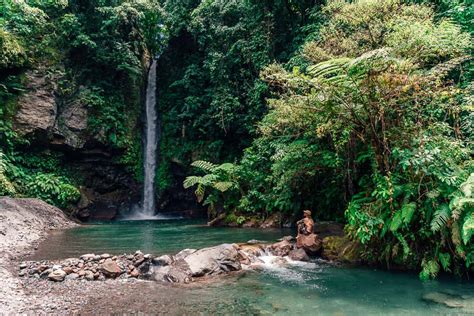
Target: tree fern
204,165
441,217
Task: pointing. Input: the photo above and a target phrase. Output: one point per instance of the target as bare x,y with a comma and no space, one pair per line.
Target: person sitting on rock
306,238
306,225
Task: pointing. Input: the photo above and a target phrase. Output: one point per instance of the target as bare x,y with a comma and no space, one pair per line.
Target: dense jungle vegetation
359,110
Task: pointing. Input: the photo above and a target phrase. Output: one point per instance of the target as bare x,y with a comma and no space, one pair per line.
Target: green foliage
12,53
6,186
375,115
52,189
219,180
211,95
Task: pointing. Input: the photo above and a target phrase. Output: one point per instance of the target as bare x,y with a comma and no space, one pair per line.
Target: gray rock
448,300
298,255
57,275
89,276
72,276
37,108
57,267
184,253
45,273
88,257
164,260
281,248
213,260
110,268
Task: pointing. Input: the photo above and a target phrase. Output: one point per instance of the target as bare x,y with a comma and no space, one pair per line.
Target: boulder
298,255
252,249
325,229
273,221
110,269
310,243
164,260
72,276
452,301
287,238
281,248
341,249
177,273
251,223
57,275
184,253
213,260
88,257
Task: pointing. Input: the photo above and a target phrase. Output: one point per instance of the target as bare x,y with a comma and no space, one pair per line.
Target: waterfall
151,146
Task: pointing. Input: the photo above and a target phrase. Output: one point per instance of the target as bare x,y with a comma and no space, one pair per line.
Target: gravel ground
23,224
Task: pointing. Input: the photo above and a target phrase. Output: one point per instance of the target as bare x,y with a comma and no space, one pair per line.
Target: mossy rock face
341,248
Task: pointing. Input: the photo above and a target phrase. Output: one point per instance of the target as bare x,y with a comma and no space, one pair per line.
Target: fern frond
441,217
204,165
468,228
445,260
209,179
396,221
328,68
191,181
200,190
223,185
408,210
226,167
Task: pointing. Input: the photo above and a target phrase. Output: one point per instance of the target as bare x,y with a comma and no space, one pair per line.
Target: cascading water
147,208
148,204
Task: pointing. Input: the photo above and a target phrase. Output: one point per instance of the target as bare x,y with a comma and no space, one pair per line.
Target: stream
316,287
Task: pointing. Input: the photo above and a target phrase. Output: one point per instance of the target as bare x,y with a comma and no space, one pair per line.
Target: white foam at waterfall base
137,214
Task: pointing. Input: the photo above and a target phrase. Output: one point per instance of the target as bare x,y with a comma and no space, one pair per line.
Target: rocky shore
183,267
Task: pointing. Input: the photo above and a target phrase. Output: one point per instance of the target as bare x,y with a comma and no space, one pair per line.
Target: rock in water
341,249
110,269
298,255
310,243
281,248
57,275
213,260
448,300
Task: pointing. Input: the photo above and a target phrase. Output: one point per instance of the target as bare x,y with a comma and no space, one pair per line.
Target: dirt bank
23,223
